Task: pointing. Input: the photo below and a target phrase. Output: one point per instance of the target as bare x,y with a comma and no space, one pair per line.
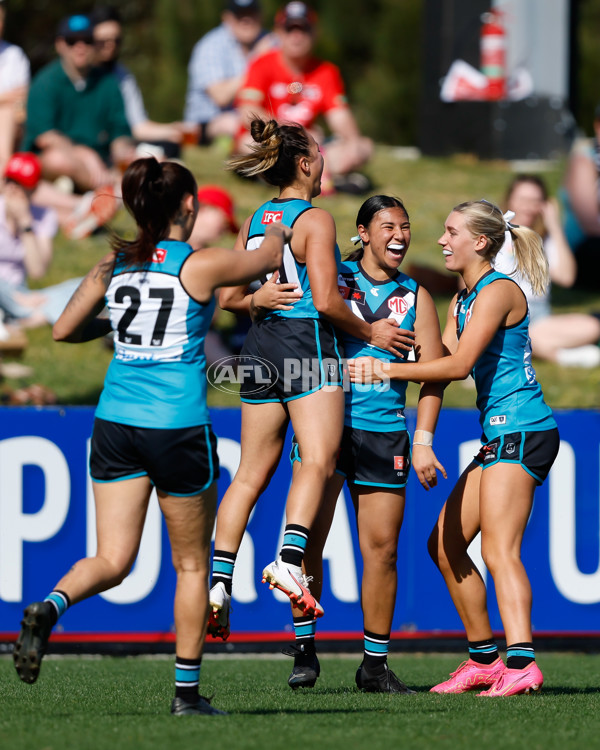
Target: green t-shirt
92,116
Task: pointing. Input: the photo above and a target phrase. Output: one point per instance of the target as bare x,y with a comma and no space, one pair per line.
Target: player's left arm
79,322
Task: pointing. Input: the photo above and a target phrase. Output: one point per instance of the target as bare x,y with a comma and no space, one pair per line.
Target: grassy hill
429,187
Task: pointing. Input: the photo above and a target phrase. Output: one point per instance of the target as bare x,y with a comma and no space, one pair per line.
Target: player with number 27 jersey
157,377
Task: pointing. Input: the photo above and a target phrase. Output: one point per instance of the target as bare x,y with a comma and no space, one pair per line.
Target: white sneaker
220,604
579,356
293,583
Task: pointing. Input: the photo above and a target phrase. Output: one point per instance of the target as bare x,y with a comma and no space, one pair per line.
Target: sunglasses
116,40
71,41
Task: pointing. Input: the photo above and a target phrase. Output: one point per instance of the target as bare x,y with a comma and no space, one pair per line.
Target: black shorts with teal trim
374,459
293,357
177,461
534,451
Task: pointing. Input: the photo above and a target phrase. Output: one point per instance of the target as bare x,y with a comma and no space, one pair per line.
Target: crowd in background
68,133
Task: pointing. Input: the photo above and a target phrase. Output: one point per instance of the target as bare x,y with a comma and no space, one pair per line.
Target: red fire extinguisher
493,54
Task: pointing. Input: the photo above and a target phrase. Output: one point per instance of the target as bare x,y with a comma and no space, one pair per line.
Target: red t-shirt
292,97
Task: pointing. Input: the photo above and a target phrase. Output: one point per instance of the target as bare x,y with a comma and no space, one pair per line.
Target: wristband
28,228
423,437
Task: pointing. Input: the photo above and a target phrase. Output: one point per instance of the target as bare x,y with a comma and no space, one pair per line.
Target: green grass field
430,187
112,703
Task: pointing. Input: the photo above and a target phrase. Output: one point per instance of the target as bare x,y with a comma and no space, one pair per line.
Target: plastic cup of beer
191,132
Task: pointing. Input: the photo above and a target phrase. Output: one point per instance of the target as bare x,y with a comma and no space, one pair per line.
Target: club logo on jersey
497,420
399,463
344,291
398,305
375,291
159,255
269,217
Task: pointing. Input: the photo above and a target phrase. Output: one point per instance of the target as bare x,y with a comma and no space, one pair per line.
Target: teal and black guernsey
376,407
287,212
509,397
157,377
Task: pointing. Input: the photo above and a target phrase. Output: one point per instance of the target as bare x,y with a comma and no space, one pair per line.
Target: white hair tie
507,219
355,240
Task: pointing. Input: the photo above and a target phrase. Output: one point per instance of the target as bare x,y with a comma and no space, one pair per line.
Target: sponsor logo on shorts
399,463
271,216
498,419
159,255
487,453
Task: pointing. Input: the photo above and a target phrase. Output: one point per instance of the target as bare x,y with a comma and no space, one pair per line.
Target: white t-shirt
12,250
14,67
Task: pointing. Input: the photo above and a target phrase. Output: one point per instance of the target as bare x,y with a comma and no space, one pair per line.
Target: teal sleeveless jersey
292,270
157,377
509,397
377,407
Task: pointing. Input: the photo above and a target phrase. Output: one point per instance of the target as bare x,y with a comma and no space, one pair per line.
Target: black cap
75,27
296,15
242,7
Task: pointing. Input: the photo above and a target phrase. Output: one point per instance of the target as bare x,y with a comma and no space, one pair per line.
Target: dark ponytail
152,193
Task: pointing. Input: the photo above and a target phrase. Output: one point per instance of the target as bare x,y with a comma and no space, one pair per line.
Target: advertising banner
47,523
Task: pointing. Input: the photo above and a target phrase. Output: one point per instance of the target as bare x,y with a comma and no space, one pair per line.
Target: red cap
213,195
24,168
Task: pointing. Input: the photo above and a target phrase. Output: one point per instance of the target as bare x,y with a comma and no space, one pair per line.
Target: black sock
294,544
519,655
222,569
187,678
376,647
483,652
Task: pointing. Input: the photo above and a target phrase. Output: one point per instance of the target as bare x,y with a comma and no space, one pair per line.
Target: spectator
14,82
217,67
75,114
108,34
290,84
26,234
215,218
581,196
568,339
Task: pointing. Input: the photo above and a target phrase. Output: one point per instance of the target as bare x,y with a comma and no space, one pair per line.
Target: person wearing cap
290,84
215,216
76,119
26,234
108,36
14,83
217,67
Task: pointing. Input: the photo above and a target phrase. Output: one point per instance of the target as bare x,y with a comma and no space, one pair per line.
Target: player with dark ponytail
152,426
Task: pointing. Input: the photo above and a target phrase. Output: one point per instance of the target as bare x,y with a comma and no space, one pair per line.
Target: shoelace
460,667
305,580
